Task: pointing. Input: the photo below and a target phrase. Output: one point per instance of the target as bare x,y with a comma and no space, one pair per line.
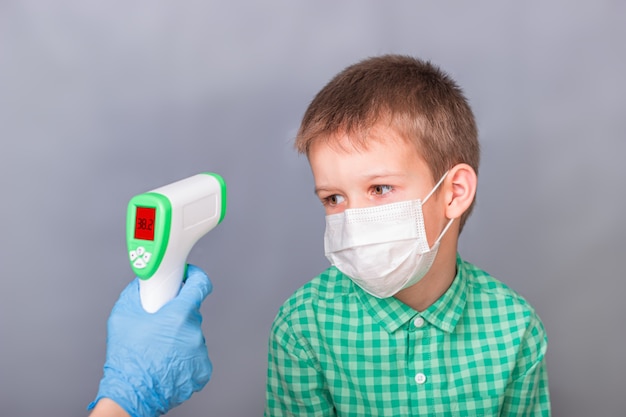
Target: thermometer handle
161,288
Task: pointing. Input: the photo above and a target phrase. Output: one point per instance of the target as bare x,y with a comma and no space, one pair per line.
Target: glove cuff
125,395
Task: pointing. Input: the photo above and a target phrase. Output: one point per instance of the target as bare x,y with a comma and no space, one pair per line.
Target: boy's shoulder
328,286
489,300
483,286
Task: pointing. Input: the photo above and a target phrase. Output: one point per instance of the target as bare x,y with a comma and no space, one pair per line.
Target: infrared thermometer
162,226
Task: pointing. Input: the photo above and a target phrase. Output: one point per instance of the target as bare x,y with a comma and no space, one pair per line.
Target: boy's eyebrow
367,177
374,176
386,174
317,190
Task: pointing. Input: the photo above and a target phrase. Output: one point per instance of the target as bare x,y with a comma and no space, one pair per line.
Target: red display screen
144,223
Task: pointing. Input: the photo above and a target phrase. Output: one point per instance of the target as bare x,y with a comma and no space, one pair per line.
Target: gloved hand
155,361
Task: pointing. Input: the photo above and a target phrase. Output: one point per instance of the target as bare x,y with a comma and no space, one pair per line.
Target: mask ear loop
443,232
435,188
445,229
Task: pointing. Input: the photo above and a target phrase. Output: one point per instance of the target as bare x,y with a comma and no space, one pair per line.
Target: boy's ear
460,190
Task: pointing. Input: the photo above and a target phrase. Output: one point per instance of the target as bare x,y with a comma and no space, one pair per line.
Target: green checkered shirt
335,350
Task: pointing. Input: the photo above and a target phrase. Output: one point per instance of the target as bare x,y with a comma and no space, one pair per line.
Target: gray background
103,100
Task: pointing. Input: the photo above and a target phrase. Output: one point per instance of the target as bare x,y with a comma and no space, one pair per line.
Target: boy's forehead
381,151
363,140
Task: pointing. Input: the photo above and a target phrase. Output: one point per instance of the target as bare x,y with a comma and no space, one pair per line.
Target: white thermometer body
162,226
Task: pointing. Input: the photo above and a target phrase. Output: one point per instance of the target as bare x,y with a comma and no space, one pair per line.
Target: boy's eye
381,189
333,200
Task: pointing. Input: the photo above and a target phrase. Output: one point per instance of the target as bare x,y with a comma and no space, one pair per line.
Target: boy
400,325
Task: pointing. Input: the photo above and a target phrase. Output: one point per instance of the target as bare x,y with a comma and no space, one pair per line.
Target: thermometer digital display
144,223
161,228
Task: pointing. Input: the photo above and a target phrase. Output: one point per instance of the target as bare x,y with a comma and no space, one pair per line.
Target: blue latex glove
154,362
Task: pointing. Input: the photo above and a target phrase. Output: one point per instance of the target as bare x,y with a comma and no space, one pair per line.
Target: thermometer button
146,257
140,250
133,255
139,263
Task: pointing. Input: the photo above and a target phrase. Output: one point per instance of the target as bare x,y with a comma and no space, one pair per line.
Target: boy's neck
434,284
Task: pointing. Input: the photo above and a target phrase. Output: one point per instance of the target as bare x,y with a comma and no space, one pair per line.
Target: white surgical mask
383,249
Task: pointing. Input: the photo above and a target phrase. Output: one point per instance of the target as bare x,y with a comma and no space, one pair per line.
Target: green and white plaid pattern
335,350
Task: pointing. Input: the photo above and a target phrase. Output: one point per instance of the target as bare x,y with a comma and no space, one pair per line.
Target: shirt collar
444,313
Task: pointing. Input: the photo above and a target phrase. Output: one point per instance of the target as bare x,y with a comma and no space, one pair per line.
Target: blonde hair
417,99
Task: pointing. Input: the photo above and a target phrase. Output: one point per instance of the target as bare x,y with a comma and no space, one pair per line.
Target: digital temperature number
144,223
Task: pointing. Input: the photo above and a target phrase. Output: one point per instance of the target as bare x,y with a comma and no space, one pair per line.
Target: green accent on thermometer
223,191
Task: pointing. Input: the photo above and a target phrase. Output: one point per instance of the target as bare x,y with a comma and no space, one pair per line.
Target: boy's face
389,170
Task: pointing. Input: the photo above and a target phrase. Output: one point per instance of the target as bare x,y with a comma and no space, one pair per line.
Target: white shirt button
418,322
420,378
